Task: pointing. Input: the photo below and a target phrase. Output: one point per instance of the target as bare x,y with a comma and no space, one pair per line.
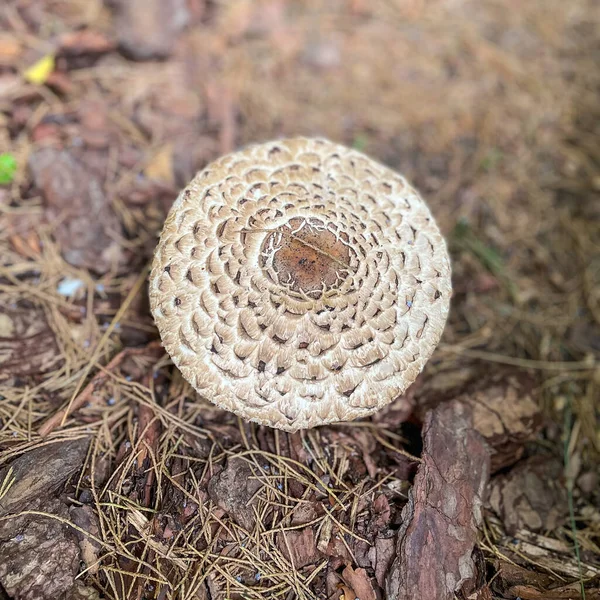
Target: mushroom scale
299,282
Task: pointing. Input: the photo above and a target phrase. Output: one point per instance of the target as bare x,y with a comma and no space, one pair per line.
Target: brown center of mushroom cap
306,257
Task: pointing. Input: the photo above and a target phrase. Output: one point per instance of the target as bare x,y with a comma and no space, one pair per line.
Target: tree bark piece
504,403
27,344
531,496
233,489
39,557
435,543
40,472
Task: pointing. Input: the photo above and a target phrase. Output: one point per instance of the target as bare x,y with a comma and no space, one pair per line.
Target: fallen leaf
10,49
381,512
385,551
27,245
8,168
347,593
39,71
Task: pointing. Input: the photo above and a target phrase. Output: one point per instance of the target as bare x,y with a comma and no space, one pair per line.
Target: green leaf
8,168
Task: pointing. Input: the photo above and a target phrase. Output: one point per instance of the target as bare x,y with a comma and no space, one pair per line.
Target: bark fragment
38,556
531,496
360,583
40,472
440,521
504,404
232,490
299,547
148,29
27,344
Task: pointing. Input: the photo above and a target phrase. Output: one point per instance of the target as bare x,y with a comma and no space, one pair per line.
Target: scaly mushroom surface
299,282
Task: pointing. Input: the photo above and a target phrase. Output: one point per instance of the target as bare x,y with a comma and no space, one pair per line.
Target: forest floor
117,481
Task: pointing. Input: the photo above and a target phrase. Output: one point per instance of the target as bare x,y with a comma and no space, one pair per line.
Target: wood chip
233,489
299,547
40,472
360,583
531,495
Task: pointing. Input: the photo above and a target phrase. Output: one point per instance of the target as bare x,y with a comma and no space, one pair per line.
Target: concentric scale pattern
299,282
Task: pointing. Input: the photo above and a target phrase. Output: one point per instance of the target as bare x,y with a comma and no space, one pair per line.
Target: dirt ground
118,482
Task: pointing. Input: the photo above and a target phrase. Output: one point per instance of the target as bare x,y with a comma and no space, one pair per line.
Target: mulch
117,481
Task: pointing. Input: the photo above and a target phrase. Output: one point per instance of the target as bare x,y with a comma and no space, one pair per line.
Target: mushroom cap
299,282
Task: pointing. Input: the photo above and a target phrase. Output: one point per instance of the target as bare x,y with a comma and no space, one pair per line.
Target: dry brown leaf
347,593
10,49
381,511
385,551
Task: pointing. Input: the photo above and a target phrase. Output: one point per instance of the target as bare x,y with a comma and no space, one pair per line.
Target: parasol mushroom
299,282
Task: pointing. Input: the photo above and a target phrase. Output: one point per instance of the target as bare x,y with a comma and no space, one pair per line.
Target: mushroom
299,282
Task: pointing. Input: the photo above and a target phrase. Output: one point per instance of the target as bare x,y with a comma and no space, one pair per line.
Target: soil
117,481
